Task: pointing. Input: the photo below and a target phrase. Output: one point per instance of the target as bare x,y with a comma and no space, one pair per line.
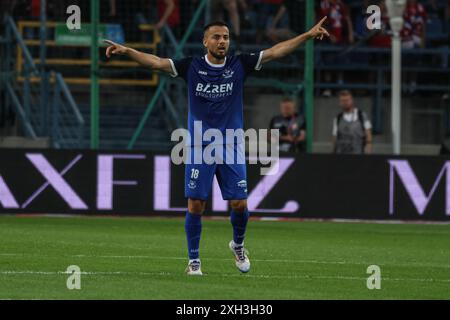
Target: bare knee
196,206
238,206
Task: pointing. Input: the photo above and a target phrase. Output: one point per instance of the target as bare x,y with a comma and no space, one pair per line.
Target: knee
239,206
196,206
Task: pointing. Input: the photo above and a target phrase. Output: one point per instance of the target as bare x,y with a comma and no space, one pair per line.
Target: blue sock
239,223
193,228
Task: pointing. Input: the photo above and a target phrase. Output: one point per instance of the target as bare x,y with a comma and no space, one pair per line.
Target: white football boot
240,255
194,268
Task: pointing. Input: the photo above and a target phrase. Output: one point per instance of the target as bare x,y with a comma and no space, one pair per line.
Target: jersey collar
215,65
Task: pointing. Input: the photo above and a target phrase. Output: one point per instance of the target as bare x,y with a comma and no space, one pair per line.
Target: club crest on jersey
228,73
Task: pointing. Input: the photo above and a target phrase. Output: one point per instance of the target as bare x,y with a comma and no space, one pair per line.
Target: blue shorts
232,179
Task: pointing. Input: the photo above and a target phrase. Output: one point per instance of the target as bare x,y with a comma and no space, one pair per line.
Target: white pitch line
223,259
259,260
84,273
262,276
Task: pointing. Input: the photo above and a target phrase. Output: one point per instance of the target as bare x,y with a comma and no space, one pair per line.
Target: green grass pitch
145,258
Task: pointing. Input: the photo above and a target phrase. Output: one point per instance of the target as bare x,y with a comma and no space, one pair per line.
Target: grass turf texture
139,258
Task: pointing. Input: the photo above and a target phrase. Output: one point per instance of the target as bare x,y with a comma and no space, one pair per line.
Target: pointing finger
322,21
110,42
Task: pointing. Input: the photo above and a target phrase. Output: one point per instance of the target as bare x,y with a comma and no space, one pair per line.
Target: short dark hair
215,24
345,93
287,99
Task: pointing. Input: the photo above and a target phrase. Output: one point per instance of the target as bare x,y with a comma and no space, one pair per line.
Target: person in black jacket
292,127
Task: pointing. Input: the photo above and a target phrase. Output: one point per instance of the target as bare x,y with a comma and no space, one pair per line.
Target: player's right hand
115,49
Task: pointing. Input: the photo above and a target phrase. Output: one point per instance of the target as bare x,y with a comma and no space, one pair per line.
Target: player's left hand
318,32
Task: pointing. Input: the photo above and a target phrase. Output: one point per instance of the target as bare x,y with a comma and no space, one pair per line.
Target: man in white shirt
352,130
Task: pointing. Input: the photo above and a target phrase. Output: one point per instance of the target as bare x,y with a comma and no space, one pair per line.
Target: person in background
266,12
341,33
352,130
339,21
232,8
382,39
125,13
415,19
168,13
413,36
7,7
295,11
292,127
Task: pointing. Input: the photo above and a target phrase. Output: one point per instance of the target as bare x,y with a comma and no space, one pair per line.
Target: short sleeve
180,67
335,128
251,61
367,123
271,123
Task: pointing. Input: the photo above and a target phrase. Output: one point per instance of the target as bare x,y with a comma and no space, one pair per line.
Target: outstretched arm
144,59
285,48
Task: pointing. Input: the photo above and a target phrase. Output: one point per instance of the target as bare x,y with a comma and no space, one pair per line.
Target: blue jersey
215,92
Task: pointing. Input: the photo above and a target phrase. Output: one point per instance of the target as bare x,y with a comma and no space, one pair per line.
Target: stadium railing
76,70
60,118
68,124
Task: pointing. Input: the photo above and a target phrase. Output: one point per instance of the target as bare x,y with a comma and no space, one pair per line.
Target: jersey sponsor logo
203,73
214,90
228,73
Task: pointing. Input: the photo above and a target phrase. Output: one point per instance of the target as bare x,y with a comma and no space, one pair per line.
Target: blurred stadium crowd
427,22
